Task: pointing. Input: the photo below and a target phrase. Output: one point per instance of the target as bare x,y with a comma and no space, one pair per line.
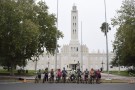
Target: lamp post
106,40
48,62
118,65
56,40
81,50
48,65
78,65
36,59
102,65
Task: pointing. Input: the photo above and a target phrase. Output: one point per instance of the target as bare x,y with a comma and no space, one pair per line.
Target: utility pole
56,40
107,56
81,50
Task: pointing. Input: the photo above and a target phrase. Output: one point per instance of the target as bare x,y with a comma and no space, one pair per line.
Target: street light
81,50
36,59
56,40
118,65
78,65
48,65
106,40
102,65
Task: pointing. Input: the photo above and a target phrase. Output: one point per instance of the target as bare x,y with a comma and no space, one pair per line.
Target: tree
103,28
124,44
26,30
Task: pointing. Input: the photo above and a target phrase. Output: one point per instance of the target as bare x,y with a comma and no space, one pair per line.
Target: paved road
104,76
67,86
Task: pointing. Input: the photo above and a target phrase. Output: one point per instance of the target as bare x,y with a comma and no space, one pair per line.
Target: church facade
73,54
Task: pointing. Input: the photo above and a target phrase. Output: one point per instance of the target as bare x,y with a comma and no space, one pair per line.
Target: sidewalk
14,79
117,78
111,78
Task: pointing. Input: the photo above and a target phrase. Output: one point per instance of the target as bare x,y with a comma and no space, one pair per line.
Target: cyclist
86,73
79,78
52,75
46,75
72,75
59,74
92,76
64,74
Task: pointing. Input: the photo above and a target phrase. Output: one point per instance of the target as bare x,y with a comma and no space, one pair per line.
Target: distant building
74,55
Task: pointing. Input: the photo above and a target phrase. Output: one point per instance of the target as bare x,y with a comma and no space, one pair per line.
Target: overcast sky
92,15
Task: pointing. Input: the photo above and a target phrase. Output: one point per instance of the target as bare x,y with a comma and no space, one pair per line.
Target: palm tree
104,26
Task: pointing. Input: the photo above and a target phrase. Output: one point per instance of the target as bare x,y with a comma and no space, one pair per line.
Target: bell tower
74,24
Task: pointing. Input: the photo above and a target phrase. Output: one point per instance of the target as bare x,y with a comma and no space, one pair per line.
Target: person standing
45,75
52,75
59,74
72,75
92,76
98,76
79,78
39,75
64,74
86,73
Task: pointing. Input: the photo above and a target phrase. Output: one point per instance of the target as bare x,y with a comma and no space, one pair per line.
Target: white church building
72,54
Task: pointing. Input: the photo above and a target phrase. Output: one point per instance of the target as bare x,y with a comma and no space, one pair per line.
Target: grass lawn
5,72
121,73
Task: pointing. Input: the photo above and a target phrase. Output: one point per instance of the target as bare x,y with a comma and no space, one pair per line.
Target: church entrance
73,66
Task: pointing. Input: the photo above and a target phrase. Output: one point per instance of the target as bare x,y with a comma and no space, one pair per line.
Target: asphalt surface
15,85
104,76
66,86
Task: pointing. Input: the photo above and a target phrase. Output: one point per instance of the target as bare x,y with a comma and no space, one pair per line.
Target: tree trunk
12,68
8,68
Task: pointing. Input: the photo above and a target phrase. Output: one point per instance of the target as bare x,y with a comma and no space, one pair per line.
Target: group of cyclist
92,76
